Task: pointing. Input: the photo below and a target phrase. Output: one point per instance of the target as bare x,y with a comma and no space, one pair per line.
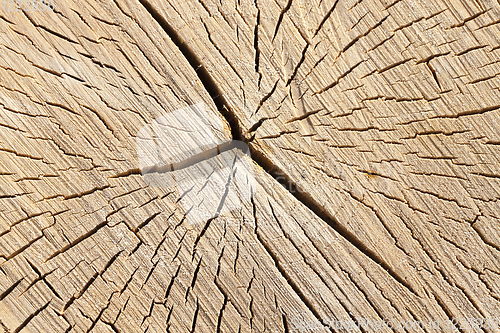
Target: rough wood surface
379,119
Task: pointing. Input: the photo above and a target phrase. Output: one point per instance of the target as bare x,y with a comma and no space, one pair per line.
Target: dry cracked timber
379,118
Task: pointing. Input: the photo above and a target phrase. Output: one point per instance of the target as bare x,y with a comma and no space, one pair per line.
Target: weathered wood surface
381,119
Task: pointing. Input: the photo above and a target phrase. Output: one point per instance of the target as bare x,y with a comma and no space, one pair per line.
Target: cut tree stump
368,200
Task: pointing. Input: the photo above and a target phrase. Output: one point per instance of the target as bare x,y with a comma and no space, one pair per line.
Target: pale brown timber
382,118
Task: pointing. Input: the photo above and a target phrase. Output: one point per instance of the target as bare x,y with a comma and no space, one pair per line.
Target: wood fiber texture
374,131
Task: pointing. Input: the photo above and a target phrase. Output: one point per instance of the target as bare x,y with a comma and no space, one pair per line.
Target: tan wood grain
379,118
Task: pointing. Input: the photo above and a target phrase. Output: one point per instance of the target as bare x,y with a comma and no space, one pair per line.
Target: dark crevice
30,317
280,18
256,44
327,16
434,74
296,69
172,280
260,158
204,76
10,289
265,98
195,317
221,313
207,153
306,199
78,240
285,323
80,293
